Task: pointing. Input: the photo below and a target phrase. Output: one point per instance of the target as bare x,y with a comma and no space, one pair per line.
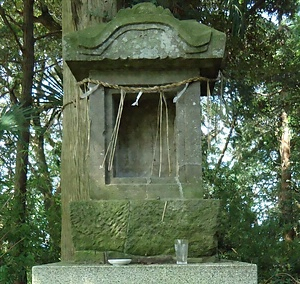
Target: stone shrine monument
143,74
146,72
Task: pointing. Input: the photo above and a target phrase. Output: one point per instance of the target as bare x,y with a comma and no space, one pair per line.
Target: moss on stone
99,225
144,13
145,227
156,224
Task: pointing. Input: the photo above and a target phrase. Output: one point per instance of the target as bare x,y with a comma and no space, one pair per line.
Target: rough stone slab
92,230
145,227
208,273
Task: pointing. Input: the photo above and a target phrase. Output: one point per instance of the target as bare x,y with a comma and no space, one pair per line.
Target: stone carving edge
144,13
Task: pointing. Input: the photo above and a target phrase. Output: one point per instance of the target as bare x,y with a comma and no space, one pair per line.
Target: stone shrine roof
144,36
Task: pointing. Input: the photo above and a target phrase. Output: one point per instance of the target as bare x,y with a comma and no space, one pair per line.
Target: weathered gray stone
206,273
141,36
133,176
149,197
145,227
99,226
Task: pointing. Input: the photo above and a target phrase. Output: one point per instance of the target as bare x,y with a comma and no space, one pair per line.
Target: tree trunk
52,209
24,134
77,15
285,195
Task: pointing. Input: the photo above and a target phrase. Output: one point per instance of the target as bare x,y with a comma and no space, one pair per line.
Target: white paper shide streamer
179,94
136,103
91,90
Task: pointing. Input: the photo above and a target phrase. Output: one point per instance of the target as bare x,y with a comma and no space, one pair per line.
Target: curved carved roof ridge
144,13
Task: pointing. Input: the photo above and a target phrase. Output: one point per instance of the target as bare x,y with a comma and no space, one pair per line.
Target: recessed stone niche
140,141
158,141
145,155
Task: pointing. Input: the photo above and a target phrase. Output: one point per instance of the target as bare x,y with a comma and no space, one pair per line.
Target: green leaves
30,218
12,117
262,79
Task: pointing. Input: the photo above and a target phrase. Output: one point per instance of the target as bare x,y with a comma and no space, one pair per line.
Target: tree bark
24,134
285,195
77,15
52,209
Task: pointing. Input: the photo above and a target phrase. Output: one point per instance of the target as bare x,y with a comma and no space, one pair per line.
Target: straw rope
128,89
110,153
152,89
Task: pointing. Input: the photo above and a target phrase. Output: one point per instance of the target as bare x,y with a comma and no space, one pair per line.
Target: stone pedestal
144,227
206,273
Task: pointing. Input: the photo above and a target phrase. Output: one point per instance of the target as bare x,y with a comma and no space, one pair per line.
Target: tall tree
285,196
24,133
77,15
22,39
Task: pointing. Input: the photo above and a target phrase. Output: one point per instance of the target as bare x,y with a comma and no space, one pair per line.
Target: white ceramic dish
118,262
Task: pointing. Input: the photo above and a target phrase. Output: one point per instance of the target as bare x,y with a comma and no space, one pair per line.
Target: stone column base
223,272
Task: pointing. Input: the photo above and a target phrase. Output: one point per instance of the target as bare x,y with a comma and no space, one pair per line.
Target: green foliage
262,80
36,241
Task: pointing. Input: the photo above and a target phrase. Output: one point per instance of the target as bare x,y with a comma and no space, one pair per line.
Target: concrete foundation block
205,273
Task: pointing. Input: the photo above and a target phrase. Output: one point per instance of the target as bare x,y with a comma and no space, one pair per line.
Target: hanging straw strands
111,149
160,133
209,117
156,137
91,85
167,132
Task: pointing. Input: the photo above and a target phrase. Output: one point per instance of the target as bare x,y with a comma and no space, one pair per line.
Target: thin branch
3,16
47,125
13,98
10,91
3,94
46,68
11,247
6,202
14,21
48,35
282,274
232,126
47,20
